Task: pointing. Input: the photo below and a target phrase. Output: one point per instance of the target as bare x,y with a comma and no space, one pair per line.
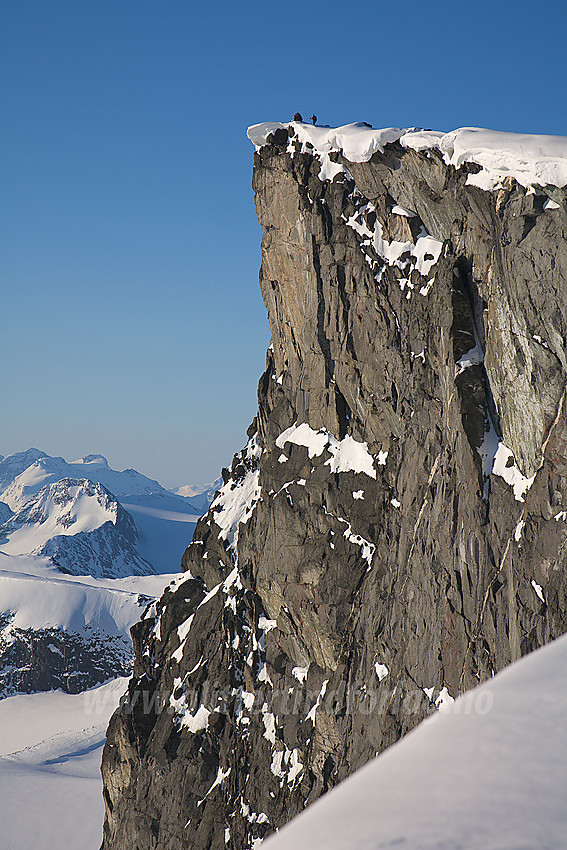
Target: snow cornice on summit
532,160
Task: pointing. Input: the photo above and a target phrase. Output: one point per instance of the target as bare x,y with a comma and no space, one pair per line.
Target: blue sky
131,321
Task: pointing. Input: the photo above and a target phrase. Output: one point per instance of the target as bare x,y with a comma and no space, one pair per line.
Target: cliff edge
395,530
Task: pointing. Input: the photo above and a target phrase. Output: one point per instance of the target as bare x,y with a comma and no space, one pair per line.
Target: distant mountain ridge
24,473
159,522
200,495
80,547
80,526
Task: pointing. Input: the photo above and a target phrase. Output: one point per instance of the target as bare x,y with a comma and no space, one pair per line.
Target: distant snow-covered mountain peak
151,526
12,465
200,495
81,526
67,507
22,475
99,460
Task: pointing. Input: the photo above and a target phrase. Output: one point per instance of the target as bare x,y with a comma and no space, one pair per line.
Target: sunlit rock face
394,530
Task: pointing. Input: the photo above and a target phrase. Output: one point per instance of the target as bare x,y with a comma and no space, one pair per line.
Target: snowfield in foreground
490,771
50,751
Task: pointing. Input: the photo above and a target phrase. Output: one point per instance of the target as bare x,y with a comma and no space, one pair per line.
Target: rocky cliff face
395,530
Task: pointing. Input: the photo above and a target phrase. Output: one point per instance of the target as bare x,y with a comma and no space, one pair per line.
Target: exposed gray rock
46,659
346,604
5,514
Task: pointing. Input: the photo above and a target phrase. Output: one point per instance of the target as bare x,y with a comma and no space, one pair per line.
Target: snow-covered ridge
66,507
529,159
25,473
356,141
154,524
38,597
59,630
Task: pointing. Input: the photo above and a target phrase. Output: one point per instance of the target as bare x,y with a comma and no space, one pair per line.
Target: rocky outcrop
394,531
49,659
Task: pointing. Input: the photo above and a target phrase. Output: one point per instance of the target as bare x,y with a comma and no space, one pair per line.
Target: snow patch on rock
381,671
505,467
237,499
347,455
532,160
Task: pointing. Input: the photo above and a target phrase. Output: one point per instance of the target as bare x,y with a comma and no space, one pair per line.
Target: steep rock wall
395,530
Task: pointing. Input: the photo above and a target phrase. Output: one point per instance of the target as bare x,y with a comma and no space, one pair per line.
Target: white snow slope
50,784
530,159
38,596
489,772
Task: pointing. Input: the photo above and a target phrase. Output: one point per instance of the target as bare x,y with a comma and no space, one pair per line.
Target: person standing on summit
299,117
